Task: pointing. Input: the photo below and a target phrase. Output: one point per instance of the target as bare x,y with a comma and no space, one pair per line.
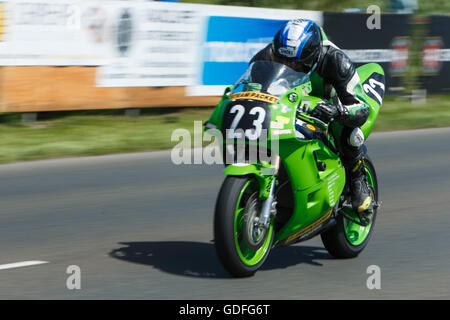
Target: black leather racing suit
337,70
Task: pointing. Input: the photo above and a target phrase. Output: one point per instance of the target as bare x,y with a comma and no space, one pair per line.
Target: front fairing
268,85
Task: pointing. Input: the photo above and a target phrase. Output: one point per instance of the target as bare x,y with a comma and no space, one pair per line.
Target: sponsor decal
311,127
289,52
276,125
285,109
331,187
281,132
306,88
310,228
251,95
282,119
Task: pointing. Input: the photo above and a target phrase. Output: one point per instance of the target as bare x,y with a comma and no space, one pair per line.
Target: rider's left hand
325,111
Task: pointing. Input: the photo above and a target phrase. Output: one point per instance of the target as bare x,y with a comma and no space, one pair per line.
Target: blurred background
80,77
84,78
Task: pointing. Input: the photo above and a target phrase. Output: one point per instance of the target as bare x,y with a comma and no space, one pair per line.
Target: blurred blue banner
229,45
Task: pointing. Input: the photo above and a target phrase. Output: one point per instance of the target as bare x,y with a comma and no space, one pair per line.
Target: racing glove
325,111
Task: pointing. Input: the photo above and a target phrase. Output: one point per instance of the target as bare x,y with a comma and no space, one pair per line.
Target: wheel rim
355,233
246,254
254,234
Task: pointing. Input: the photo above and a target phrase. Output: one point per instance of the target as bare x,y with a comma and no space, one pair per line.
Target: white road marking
21,264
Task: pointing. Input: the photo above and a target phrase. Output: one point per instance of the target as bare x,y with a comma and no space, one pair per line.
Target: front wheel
346,239
242,246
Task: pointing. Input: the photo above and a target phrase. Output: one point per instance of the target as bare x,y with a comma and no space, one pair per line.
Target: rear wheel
346,239
242,246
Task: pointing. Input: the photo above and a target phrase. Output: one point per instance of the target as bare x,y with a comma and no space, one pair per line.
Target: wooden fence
34,89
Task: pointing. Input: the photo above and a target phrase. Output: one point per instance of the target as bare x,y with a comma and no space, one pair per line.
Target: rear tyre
242,247
346,239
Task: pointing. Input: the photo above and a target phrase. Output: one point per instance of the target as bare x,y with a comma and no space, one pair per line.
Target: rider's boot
360,194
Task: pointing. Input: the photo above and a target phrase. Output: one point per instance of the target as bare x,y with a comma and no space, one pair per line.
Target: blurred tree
434,7
425,6
406,6
319,5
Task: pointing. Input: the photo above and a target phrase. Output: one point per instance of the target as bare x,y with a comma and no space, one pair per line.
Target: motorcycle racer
303,46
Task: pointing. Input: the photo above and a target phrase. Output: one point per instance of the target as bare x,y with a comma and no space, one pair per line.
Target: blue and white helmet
297,44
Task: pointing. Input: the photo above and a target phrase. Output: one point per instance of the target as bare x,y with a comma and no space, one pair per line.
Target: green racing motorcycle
302,190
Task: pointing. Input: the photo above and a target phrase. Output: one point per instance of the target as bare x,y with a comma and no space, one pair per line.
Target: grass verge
92,133
401,114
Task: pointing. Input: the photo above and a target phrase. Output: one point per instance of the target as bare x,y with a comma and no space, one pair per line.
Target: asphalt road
140,227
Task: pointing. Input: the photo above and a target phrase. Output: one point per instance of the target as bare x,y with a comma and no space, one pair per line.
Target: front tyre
346,239
241,245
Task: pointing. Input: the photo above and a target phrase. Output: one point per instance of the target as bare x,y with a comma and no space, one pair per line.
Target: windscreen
269,77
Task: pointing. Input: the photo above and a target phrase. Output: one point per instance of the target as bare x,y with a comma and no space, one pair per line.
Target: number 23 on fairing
250,119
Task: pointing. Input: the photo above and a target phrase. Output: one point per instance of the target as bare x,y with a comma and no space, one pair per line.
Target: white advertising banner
48,32
153,44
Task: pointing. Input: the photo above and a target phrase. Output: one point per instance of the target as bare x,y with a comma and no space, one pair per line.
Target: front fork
268,209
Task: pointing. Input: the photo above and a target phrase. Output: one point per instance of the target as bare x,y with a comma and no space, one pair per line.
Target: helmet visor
303,65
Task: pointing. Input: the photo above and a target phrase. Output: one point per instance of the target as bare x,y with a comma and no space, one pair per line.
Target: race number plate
247,119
